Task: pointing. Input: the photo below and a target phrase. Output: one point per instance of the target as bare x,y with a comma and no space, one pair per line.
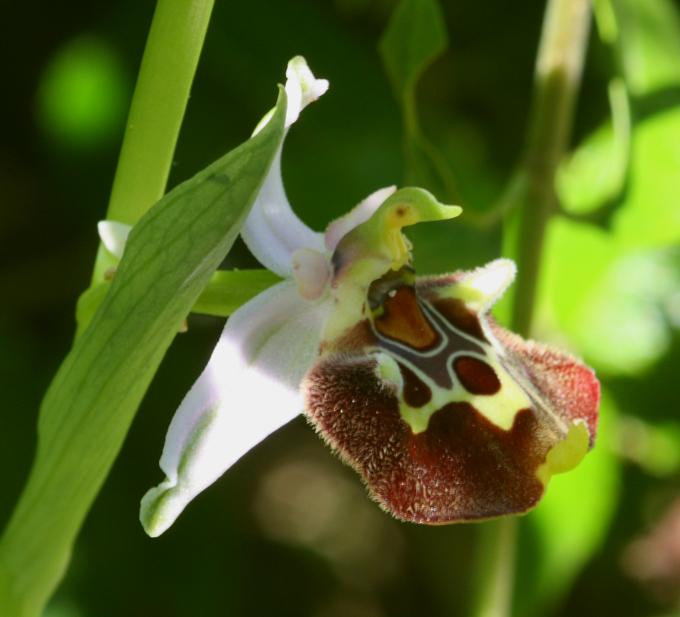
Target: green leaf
624,325
612,303
415,36
224,293
569,525
169,258
576,257
646,34
88,303
650,43
649,215
595,173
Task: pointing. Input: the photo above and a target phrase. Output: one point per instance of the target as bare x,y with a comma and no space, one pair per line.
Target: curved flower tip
249,388
302,88
447,416
114,235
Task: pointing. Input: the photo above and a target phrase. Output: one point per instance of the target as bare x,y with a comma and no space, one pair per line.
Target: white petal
339,228
484,286
114,235
249,388
273,232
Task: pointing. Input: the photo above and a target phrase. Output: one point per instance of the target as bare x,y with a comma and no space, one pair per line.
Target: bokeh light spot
82,95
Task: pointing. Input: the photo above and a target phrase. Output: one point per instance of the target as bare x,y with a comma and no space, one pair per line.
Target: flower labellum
446,416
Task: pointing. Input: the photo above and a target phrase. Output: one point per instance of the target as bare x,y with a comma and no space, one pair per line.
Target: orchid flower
445,415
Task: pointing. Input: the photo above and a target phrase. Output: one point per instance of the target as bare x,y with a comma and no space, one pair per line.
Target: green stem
36,545
496,568
558,73
161,94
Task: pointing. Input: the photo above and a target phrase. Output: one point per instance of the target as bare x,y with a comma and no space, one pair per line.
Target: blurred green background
289,530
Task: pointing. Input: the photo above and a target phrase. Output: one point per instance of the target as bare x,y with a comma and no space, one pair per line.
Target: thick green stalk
36,544
496,568
161,94
558,73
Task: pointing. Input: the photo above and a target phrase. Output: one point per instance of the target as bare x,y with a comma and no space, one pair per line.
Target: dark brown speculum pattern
427,443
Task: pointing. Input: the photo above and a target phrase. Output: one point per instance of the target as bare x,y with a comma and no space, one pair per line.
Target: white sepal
114,235
249,388
272,231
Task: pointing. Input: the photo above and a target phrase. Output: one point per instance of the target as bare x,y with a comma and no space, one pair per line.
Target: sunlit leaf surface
611,303
649,215
169,258
650,43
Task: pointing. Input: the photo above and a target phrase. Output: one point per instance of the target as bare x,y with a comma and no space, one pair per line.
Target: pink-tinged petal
249,388
311,272
446,416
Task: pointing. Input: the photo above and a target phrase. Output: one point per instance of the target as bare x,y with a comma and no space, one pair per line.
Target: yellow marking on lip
500,408
565,454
